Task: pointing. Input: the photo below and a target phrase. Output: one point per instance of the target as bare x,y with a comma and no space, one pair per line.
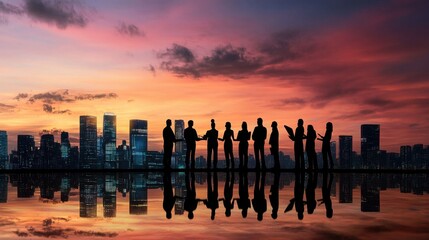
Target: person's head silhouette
244,126
329,126
274,124
168,122
213,124
310,128
260,122
191,215
228,125
300,122
190,123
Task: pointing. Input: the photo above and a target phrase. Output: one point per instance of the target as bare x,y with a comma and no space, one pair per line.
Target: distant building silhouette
4,157
88,142
406,157
346,149
100,152
65,150
370,144
47,151
3,188
333,146
124,155
180,146
26,150
109,141
138,143
74,157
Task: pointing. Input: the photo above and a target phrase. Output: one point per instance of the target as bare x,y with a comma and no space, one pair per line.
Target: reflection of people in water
310,192
212,201
259,202
274,195
326,194
243,147
212,145
243,202
169,198
259,135
298,199
228,137
310,148
274,142
228,202
191,137
191,201
326,146
169,140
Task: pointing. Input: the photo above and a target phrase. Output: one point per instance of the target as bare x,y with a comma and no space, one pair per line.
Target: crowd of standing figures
258,136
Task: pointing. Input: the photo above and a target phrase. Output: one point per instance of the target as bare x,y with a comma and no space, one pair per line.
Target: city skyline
348,63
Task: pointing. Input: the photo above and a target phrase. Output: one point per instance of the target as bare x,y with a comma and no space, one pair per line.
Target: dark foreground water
214,206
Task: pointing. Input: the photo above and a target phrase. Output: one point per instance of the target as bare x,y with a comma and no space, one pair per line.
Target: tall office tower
124,158
109,141
180,148
88,196
346,149
47,151
370,144
26,149
346,188
109,196
370,193
100,152
138,143
3,150
65,149
74,157
138,194
333,146
406,157
88,142
418,156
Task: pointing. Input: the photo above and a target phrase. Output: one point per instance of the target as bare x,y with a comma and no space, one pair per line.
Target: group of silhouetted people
259,136
244,203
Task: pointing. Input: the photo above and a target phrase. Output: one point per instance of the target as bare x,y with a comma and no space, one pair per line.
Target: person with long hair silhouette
274,142
326,194
310,148
259,135
191,201
227,200
259,202
228,137
274,195
169,140
310,192
169,198
326,146
191,137
243,202
243,137
212,145
212,201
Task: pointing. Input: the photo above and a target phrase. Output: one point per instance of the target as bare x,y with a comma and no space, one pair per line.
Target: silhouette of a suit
259,135
212,145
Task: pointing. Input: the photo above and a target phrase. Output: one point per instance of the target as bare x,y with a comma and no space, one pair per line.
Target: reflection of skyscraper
109,196
47,151
346,188
3,188
65,149
109,141
88,142
26,148
370,144
138,143
25,186
180,147
3,150
65,188
138,194
370,193
180,191
88,196
346,149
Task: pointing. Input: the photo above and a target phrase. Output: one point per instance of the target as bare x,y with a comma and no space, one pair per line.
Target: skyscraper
370,144
26,149
346,149
100,152
123,153
65,149
47,151
88,142
406,157
333,146
109,141
180,147
138,143
3,150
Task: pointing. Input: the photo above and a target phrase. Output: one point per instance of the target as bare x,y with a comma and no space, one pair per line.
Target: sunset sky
349,62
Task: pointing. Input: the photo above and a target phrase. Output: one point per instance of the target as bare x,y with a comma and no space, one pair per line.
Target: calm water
136,206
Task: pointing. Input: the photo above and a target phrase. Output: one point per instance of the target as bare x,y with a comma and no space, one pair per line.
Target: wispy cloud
130,30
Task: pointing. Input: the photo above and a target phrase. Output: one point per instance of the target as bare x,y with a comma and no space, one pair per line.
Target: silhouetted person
243,137
212,201
274,195
326,194
310,148
212,146
191,201
298,193
274,142
228,201
228,137
310,192
259,135
169,140
243,202
190,137
259,202
326,146
298,145
169,198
